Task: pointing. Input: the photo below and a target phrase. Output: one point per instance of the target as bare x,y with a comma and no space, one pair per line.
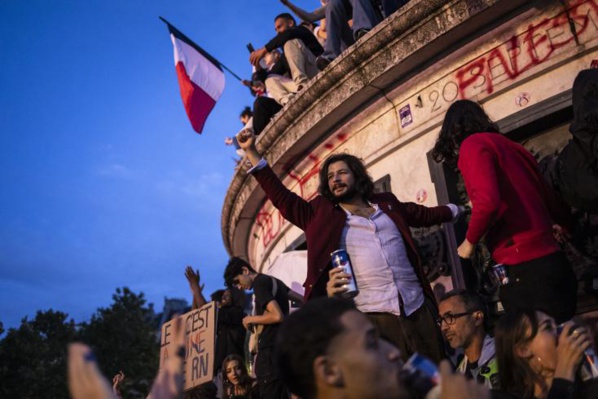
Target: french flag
201,78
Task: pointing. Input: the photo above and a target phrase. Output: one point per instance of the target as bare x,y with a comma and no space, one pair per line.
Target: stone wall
385,98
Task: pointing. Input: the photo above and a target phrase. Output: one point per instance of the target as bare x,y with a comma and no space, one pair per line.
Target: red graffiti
270,225
193,344
526,50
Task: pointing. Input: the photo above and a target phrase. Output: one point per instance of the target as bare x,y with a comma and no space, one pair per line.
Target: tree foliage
33,357
123,336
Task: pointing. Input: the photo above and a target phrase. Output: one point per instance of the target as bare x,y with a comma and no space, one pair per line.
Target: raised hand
246,139
169,381
193,278
84,378
116,381
194,283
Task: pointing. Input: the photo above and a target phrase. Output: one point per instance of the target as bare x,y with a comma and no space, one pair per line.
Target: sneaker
285,100
361,33
322,62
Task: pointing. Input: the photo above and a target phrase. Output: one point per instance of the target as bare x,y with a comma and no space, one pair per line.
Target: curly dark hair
463,118
234,268
363,181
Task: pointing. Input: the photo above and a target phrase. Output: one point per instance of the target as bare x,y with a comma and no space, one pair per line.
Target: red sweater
513,207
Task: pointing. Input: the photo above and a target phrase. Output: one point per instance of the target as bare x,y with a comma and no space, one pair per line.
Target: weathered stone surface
361,92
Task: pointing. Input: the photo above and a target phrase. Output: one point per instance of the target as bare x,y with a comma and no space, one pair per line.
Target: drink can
499,271
589,366
340,258
422,375
588,369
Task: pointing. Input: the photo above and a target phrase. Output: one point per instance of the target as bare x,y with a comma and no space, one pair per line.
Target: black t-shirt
263,288
230,334
296,32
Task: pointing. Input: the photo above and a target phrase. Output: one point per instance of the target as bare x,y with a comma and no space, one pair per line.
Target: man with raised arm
374,229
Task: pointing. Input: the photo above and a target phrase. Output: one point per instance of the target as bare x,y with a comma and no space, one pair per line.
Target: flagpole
221,64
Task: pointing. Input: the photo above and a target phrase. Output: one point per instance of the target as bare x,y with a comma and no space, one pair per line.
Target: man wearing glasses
462,321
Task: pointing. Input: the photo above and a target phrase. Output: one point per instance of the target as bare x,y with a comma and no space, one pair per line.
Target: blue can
499,272
422,375
340,258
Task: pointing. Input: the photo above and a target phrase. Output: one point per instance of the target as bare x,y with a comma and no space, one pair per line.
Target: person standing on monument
374,229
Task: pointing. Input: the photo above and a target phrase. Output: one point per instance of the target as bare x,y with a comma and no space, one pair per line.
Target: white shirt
380,264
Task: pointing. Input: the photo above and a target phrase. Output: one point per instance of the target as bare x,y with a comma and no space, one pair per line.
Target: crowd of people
367,346
299,51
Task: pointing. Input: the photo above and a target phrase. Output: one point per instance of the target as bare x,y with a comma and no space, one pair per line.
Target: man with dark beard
374,230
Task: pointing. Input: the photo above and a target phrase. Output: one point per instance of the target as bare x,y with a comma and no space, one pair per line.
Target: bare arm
168,384
116,381
293,208
193,278
316,15
272,315
85,380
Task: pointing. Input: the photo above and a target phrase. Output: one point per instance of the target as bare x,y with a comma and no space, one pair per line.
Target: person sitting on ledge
364,16
300,48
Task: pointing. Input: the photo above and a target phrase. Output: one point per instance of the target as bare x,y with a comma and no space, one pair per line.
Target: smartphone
250,47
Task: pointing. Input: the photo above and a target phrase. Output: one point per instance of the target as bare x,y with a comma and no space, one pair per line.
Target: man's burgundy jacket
323,222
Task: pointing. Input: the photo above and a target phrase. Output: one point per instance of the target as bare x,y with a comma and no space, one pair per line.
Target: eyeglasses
450,318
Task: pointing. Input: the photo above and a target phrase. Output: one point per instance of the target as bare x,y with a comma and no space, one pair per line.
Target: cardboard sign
200,336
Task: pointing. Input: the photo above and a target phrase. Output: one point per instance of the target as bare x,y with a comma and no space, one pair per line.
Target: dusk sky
104,182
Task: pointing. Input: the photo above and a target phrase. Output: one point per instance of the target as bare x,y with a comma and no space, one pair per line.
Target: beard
349,194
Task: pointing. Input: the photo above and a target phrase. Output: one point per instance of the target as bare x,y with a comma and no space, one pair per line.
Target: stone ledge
411,40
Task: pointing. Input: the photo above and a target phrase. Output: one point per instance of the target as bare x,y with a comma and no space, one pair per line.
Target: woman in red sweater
513,210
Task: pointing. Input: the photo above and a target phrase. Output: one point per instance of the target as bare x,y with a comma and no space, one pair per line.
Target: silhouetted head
284,21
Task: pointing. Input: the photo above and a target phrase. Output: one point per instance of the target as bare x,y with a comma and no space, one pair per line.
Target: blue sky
104,183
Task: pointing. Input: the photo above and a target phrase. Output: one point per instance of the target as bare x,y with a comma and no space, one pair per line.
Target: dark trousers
547,284
417,332
269,386
264,108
